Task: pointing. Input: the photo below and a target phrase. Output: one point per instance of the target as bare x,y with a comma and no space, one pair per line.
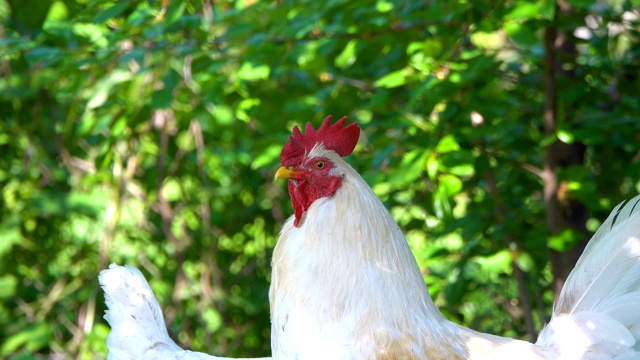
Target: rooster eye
320,165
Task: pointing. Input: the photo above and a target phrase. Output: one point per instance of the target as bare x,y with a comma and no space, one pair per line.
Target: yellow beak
285,173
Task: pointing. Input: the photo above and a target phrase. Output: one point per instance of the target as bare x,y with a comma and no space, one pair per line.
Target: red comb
337,137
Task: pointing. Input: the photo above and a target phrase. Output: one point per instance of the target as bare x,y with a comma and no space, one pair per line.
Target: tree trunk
561,211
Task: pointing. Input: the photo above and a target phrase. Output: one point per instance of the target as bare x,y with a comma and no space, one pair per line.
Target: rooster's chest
311,318
300,333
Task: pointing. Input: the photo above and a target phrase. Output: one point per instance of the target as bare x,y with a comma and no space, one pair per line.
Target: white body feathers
346,283
346,286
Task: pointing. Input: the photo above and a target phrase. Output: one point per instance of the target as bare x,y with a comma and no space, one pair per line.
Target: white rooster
345,284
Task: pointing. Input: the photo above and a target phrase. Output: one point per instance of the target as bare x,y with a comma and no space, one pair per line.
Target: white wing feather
598,312
137,325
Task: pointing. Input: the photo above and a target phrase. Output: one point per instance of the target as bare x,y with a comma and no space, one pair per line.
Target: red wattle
303,193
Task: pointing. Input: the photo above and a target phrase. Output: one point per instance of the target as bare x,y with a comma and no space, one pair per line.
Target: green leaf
222,114
8,284
414,47
111,12
525,262
447,144
50,202
57,12
171,190
9,235
460,163
455,291
45,55
442,203
175,11
243,106
96,34
521,34
99,94
91,204
565,240
141,15
384,6
58,28
548,140
212,319
163,98
32,338
268,156
524,10
593,224
393,79
432,166
14,44
250,72
452,184
565,136
409,169
348,55
431,47
548,9
499,262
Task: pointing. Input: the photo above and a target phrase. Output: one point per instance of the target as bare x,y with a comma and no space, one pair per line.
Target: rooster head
311,175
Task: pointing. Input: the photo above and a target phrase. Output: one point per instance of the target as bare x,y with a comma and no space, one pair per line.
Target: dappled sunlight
148,133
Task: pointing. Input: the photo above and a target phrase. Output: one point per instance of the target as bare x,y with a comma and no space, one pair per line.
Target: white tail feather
600,300
609,266
137,325
625,310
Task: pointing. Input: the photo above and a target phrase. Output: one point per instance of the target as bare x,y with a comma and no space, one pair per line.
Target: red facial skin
309,182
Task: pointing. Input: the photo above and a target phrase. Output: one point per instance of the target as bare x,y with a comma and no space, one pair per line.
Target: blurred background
499,135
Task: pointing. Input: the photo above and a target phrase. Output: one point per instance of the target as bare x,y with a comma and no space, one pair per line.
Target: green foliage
148,132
